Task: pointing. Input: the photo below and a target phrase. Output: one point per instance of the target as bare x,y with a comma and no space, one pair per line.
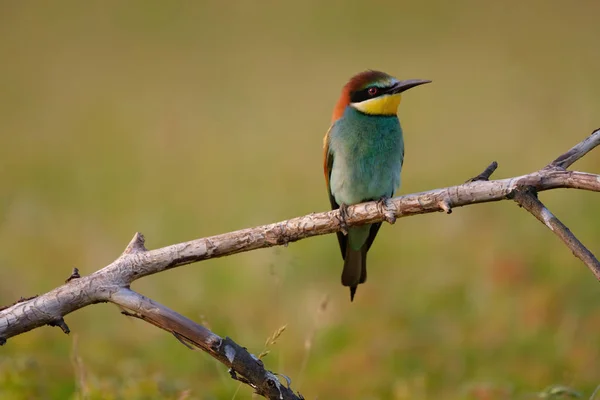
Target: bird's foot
387,208
342,218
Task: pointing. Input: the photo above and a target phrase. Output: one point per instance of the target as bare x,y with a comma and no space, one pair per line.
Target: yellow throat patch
382,105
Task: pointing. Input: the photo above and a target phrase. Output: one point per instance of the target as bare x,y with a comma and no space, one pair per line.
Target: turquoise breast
368,152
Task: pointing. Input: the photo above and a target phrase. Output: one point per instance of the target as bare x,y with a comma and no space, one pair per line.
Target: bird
363,154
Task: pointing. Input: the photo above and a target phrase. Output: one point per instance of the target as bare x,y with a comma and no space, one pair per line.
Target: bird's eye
372,91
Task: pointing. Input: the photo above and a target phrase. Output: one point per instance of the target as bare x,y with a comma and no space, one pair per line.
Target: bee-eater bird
363,156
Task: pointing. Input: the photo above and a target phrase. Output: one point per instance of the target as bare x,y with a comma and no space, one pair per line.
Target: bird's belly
355,182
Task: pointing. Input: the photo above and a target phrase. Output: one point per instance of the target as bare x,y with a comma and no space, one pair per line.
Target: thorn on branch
136,245
61,324
2,341
485,175
74,275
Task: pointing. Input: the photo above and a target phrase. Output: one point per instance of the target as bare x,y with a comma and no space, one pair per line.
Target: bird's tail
355,268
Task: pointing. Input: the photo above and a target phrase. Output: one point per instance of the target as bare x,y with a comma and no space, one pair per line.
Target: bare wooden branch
111,284
243,366
107,285
527,198
577,151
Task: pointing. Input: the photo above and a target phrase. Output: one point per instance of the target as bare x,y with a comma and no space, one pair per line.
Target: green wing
327,165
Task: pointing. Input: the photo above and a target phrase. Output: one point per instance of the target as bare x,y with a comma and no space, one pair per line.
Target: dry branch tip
136,245
567,159
61,324
485,175
74,275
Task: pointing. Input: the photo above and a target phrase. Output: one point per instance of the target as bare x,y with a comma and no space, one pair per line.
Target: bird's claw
387,208
342,218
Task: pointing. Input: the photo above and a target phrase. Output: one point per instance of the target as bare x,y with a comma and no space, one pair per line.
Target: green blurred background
188,119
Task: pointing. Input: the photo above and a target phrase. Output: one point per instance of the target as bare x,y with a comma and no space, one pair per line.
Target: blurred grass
186,119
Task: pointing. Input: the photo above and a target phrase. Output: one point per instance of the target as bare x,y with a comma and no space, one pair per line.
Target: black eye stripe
362,95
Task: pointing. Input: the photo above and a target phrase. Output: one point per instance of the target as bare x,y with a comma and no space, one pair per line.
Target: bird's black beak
407,84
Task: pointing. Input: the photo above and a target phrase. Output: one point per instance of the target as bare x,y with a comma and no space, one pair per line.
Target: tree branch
576,152
243,366
111,284
527,198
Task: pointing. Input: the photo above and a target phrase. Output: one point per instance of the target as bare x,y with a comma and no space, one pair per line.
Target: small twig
74,275
576,152
485,175
527,198
61,324
136,245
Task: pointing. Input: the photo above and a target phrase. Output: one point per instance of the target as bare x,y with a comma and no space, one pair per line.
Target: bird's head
374,93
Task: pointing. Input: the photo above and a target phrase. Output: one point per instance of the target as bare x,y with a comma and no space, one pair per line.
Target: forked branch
111,284
527,198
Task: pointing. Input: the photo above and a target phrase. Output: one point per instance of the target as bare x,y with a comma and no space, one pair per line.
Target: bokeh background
188,119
